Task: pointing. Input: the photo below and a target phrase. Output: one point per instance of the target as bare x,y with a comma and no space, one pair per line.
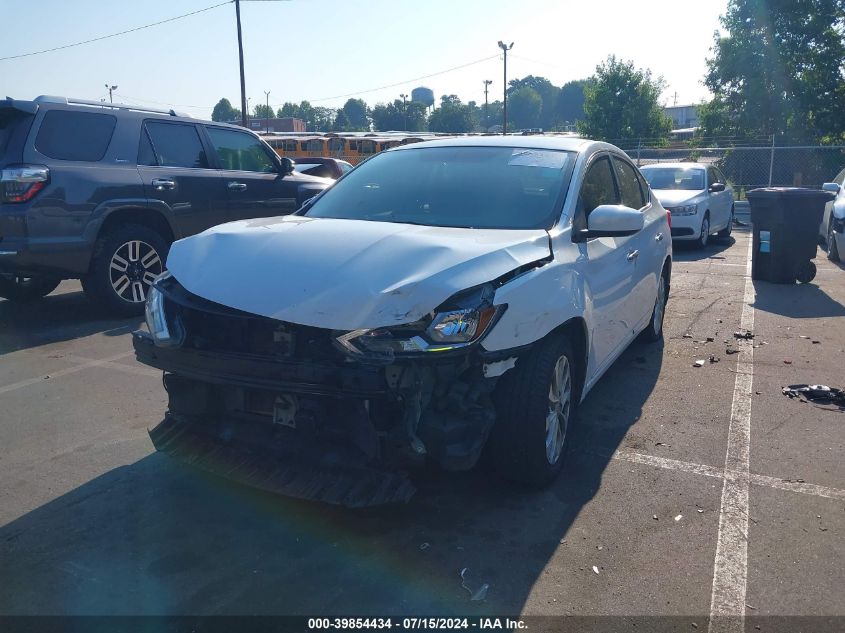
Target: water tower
423,95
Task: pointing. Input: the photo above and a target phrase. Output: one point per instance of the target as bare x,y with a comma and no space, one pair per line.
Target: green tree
548,93
224,111
410,116
323,119
621,104
341,122
778,69
357,114
452,116
570,103
262,111
524,108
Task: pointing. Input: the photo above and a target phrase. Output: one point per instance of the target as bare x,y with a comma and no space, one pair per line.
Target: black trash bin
786,228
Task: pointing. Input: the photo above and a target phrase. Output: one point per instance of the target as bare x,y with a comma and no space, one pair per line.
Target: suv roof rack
103,104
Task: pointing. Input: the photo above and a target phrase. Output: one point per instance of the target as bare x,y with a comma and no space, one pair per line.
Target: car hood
345,274
675,197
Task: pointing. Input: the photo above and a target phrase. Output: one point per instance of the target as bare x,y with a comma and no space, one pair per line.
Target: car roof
678,165
565,143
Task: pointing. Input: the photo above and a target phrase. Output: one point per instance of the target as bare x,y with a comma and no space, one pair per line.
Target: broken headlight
459,322
165,332
686,209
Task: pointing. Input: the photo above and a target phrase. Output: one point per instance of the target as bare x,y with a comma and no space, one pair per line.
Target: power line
105,37
400,83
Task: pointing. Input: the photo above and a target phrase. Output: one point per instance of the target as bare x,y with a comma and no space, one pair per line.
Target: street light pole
111,89
241,55
487,82
405,110
505,48
267,111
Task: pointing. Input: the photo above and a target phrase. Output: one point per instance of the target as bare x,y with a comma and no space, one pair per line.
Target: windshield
478,187
674,178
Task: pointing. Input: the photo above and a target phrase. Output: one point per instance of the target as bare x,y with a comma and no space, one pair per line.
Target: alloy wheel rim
557,418
659,307
831,239
133,268
705,232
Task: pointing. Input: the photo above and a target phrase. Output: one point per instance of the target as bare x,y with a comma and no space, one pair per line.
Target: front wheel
832,249
534,405
654,331
21,289
126,262
704,237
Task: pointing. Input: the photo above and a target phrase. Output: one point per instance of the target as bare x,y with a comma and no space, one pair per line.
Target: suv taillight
20,183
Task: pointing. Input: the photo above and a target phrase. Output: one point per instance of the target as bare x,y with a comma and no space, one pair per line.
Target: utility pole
267,111
487,82
111,89
505,48
405,110
241,55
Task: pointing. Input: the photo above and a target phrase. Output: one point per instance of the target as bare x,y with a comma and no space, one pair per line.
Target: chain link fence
757,166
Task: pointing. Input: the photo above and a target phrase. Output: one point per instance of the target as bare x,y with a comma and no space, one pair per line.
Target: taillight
20,183
669,218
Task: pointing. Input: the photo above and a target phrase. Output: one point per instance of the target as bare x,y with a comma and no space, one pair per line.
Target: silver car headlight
686,209
166,332
448,328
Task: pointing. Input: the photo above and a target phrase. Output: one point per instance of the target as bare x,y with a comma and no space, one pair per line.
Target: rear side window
68,135
174,145
629,185
13,123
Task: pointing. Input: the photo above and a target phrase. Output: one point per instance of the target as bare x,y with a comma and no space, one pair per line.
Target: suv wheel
725,233
24,289
534,403
832,249
125,263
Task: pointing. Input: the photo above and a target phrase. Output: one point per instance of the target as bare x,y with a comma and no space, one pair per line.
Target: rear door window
238,151
629,185
173,145
69,135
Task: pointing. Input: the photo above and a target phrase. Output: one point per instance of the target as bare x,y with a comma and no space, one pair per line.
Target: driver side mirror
611,220
717,187
287,165
831,186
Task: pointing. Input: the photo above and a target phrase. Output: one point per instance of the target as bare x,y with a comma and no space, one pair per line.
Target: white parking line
730,568
62,372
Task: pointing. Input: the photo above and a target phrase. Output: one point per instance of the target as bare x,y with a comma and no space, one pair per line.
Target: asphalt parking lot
688,491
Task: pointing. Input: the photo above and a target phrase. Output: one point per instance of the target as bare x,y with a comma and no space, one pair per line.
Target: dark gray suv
98,192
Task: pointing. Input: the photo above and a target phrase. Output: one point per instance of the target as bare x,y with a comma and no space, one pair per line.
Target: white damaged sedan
442,299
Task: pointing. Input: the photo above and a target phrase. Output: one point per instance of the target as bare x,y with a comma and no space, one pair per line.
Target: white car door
607,266
646,245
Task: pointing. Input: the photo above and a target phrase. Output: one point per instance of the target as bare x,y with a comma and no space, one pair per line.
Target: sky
328,50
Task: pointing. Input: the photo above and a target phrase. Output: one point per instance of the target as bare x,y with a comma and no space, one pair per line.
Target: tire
725,233
832,249
528,440
704,236
125,263
22,289
654,331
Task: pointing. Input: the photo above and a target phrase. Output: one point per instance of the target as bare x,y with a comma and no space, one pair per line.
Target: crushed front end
335,416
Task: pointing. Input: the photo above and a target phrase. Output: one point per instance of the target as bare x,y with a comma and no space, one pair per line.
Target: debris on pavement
654,516
679,517
731,350
595,569
425,546
786,361
802,336
816,342
710,339
818,394
698,363
687,335
744,335
714,358
480,594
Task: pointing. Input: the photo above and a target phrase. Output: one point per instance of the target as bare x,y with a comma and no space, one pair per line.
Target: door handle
160,184
237,186
632,255
658,237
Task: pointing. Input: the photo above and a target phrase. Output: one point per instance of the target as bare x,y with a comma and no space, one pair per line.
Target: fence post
772,160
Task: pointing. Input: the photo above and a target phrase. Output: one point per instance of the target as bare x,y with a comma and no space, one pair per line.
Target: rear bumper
56,258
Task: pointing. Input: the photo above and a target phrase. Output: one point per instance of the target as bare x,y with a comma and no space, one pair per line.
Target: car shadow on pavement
158,537
55,318
796,301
